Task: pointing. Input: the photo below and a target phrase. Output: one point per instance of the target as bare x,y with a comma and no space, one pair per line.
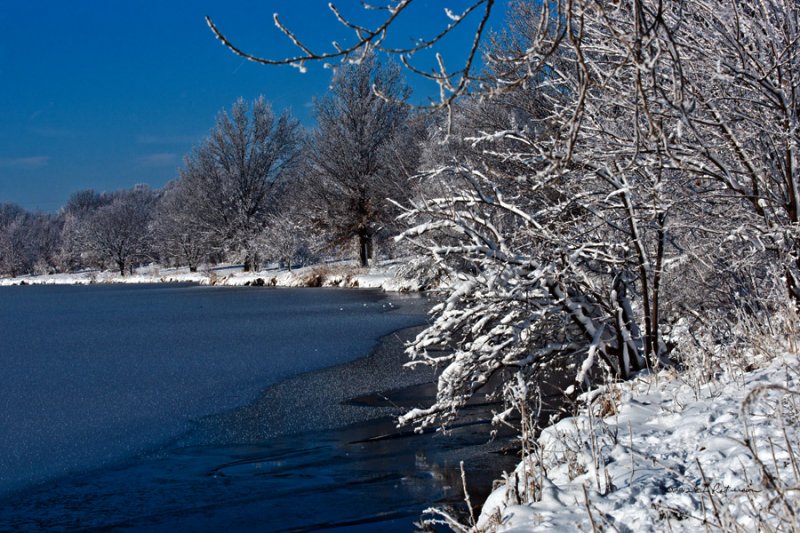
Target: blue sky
105,94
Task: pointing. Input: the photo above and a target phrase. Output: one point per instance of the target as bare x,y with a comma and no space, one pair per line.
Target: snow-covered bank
662,454
341,274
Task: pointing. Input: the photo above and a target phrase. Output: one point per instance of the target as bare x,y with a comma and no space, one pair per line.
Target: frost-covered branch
374,39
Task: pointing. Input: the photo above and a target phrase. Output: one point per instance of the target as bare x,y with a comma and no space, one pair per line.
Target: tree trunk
364,247
248,263
792,285
121,266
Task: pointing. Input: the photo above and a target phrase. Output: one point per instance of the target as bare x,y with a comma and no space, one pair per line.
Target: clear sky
105,94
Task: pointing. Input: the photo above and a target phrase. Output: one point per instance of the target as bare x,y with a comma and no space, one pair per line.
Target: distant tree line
259,188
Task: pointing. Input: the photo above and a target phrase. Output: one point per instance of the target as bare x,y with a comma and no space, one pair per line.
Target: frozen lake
93,375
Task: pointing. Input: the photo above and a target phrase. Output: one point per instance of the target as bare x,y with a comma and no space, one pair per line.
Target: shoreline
345,274
362,416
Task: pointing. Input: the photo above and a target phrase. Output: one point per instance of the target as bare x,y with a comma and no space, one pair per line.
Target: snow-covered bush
621,206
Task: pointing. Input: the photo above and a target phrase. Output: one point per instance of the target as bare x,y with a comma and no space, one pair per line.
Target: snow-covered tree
119,232
29,242
660,118
736,111
13,248
175,231
81,205
361,153
230,178
43,238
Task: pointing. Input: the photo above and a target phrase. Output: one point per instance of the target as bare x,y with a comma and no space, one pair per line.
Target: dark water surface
196,408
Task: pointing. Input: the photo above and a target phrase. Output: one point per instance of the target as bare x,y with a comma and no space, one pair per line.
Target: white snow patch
673,457
340,274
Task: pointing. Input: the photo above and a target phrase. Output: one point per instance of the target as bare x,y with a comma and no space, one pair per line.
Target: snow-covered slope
663,455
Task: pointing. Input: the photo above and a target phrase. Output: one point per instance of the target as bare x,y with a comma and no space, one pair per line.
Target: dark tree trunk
792,285
248,263
364,247
192,268
121,266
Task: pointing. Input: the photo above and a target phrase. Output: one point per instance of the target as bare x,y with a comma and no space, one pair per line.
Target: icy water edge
314,450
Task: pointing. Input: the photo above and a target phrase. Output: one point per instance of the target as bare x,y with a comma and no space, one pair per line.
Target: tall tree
361,153
735,105
229,180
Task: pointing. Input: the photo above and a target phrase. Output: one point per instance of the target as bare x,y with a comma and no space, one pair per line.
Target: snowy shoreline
340,274
665,453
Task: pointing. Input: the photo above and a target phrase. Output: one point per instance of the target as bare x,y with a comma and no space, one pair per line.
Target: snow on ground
339,274
662,454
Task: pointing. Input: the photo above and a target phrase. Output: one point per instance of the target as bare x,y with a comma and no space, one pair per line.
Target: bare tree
81,205
670,136
229,179
739,115
85,202
44,242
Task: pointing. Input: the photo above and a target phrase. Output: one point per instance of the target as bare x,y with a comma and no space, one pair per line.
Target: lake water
174,407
